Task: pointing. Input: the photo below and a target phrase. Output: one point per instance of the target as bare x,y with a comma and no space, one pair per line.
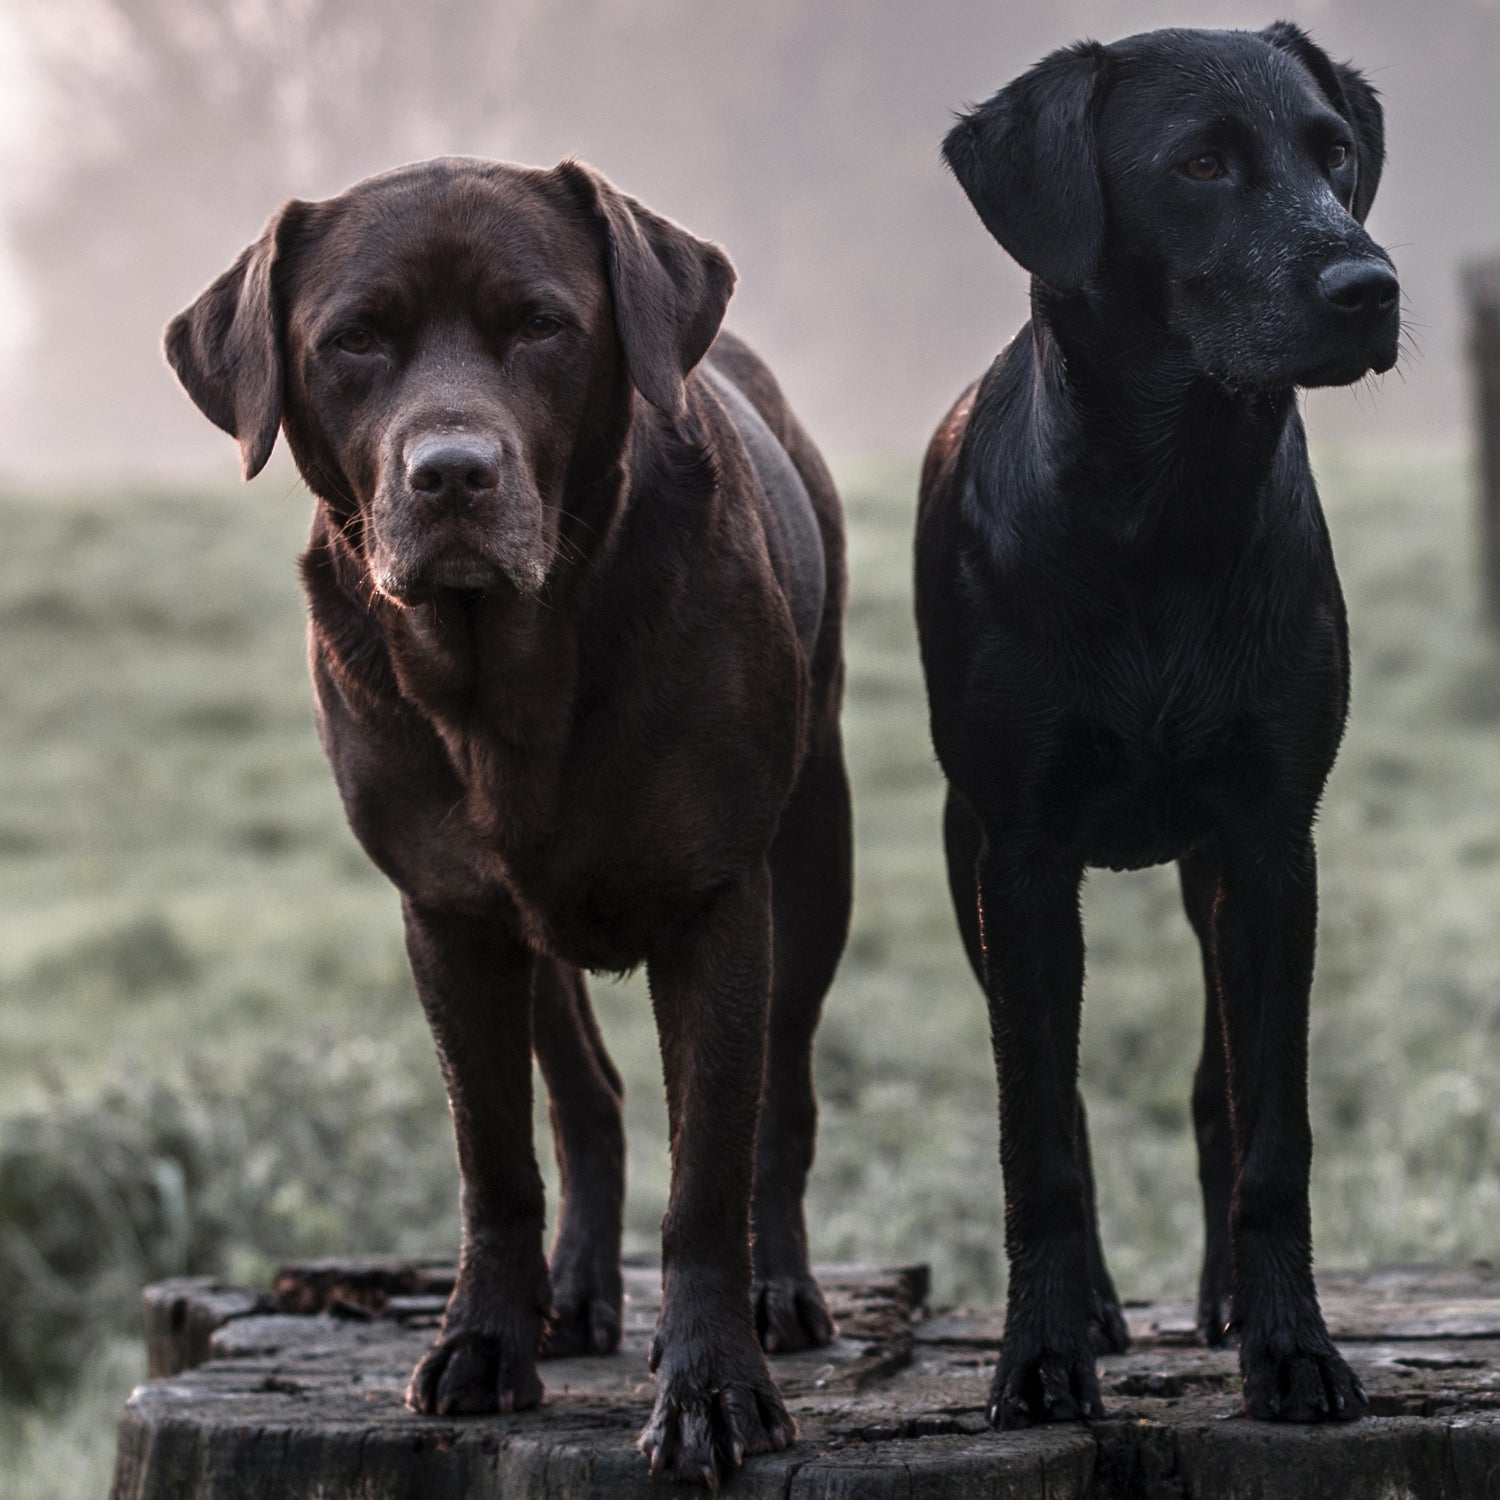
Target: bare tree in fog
177,129
803,136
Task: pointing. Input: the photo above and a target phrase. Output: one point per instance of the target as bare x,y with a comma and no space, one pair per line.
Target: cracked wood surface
298,1393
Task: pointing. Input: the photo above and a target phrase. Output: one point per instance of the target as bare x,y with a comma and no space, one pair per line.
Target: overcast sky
803,136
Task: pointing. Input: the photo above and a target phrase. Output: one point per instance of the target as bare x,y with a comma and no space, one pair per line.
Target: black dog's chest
1156,725
1138,805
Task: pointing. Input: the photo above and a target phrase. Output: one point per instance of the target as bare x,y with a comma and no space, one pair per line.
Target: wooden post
1482,288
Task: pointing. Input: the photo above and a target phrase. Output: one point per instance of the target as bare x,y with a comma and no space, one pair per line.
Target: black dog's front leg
1264,936
1199,872
710,986
475,985
1032,937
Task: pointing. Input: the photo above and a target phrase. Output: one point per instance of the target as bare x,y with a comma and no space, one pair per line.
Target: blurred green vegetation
211,1058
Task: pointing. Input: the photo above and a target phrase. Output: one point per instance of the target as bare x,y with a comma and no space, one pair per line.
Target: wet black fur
1135,643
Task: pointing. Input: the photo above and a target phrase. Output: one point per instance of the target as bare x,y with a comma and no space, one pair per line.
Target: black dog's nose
1360,286
452,471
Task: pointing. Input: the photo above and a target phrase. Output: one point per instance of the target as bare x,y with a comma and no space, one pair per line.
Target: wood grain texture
270,1402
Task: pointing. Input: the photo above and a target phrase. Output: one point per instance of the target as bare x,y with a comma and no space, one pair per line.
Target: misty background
146,141
211,1057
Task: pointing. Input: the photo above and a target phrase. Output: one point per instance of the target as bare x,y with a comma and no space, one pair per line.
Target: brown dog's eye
1204,168
1337,156
356,341
542,326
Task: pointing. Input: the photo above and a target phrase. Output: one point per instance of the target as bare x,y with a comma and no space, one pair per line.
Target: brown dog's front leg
710,985
1265,922
1032,938
475,983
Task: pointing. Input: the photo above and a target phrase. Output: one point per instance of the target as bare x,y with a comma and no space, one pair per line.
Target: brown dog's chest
594,817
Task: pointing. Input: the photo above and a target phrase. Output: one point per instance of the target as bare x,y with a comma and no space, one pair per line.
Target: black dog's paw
467,1372
1038,1380
1214,1326
1299,1380
1214,1323
702,1429
790,1313
1108,1333
587,1297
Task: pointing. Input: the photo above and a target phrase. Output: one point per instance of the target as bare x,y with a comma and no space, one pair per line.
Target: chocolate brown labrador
1135,643
576,581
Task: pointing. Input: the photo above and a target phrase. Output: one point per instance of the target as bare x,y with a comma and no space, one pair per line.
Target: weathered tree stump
1482,289
297,1394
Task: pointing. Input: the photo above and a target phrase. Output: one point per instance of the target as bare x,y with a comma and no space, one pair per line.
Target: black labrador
576,584
1135,644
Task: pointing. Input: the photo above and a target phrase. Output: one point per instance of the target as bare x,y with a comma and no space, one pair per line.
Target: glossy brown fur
571,718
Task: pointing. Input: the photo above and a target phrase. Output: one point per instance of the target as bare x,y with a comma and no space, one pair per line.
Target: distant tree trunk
1482,283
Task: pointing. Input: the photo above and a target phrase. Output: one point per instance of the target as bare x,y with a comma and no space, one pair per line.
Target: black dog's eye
356,341
541,326
1337,156
1204,168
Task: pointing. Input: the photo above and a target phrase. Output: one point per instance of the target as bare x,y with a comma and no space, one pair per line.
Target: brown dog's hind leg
962,837
1200,888
710,987
585,1102
475,982
811,891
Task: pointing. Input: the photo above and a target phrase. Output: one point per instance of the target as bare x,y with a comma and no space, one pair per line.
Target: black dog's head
450,347
1217,181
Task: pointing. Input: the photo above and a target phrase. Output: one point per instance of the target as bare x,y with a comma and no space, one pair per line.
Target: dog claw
701,1430
790,1313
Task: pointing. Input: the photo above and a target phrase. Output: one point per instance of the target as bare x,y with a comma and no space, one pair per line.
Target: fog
145,141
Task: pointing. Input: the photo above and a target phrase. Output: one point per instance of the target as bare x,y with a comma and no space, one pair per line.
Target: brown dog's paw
702,1431
790,1314
585,1316
1037,1381
1292,1380
464,1373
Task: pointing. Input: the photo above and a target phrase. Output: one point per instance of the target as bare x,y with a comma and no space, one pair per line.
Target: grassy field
210,1056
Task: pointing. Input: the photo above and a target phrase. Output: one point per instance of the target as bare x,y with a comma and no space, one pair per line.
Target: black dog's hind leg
1032,936
1199,876
961,840
585,1101
1264,929
475,982
811,889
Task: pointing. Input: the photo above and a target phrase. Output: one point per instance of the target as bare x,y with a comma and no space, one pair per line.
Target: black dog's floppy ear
1028,160
226,347
1351,94
670,289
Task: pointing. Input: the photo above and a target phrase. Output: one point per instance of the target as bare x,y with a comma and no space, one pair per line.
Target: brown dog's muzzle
457,510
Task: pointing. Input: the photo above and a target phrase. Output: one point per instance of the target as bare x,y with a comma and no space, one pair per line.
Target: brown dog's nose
1367,287
450,471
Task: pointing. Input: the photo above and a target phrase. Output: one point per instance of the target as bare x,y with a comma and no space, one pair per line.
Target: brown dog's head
446,347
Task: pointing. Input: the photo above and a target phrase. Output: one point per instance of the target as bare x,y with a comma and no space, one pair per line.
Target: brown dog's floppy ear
226,347
1027,158
1352,95
670,288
